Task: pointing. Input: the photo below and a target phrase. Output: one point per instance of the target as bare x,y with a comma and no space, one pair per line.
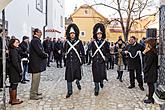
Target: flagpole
4,59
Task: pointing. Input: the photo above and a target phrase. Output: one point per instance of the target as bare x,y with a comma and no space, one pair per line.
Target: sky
71,4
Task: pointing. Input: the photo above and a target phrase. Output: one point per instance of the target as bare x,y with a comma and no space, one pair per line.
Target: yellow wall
86,25
114,36
86,22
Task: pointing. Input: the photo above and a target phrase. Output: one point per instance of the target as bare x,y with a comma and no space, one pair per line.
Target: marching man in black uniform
100,51
74,54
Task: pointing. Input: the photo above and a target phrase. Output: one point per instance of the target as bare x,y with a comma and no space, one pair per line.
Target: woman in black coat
15,70
74,54
150,67
99,57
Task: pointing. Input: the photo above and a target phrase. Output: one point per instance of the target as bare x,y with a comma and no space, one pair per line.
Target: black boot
101,84
120,76
69,87
78,84
68,95
118,72
131,86
148,101
125,67
96,93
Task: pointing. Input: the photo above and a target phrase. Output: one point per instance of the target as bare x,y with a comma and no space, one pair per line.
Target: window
39,5
86,12
58,1
6,24
82,33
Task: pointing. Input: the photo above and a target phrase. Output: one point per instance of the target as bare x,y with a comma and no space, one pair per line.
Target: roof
52,30
4,3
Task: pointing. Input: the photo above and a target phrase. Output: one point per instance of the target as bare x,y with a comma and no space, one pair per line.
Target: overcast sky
70,6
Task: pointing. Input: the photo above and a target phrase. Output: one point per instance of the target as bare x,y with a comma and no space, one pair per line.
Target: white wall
20,20
55,11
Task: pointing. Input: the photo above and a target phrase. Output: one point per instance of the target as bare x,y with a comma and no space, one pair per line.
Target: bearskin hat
75,28
96,28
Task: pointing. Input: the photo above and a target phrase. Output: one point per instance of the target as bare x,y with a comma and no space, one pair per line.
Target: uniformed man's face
99,35
120,42
72,35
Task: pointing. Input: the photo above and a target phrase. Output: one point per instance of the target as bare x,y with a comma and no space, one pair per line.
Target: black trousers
59,62
48,62
151,89
138,77
90,59
111,63
86,58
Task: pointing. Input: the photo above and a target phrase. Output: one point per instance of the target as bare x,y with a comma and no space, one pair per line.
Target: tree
133,10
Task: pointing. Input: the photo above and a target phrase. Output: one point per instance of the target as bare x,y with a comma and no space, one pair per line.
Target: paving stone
114,96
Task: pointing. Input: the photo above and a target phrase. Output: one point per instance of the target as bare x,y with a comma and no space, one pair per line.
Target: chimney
75,7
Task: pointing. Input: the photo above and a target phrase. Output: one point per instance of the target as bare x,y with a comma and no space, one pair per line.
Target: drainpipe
46,19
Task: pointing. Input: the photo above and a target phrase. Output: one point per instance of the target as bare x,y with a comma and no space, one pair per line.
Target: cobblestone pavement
114,96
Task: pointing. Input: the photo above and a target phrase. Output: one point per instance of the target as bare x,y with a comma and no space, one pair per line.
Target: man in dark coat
24,52
74,53
37,63
47,44
100,52
58,47
134,50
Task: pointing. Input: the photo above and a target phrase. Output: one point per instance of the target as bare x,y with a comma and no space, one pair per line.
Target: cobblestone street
114,96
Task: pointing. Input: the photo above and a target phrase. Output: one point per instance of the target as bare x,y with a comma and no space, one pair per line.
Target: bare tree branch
131,9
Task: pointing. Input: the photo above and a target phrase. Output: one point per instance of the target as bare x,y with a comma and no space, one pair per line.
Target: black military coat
98,63
73,64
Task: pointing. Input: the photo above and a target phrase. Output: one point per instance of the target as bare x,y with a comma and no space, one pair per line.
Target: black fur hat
102,29
75,28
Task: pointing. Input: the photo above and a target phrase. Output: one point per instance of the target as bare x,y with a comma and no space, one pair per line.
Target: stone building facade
161,79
